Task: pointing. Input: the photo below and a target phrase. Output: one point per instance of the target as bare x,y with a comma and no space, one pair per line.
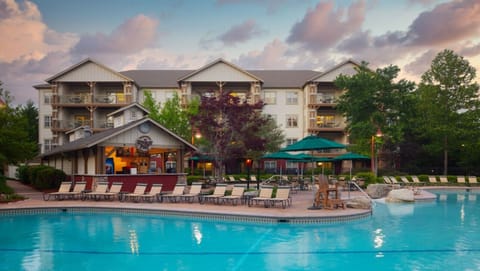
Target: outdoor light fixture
374,161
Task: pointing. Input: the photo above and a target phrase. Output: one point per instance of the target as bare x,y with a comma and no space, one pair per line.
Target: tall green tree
448,105
172,114
234,129
16,144
374,100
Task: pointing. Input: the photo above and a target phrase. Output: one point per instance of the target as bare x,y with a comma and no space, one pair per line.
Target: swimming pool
424,236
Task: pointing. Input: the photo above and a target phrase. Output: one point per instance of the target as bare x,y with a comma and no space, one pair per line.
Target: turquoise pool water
439,235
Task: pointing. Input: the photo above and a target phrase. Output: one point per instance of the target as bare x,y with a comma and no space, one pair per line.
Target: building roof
156,78
284,78
97,138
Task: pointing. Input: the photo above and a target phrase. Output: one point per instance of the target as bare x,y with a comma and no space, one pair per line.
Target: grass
7,194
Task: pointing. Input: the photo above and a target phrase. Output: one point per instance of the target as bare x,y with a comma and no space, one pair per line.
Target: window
269,165
292,97
291,165
326,121
291,141
292,121
270,97
47,121
47,99
47,145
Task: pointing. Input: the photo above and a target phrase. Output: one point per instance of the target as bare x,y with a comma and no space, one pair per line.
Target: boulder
401,195
359,203
376,191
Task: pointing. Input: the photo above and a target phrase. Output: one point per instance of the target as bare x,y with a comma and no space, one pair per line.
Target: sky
41,38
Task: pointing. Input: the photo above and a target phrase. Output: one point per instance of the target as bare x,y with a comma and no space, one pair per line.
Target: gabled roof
81,63
95,139
349,61
135,104
220,60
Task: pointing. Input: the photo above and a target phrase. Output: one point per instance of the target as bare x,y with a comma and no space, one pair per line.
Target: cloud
25,36
132,36
240,33
273,56
447,22
323,27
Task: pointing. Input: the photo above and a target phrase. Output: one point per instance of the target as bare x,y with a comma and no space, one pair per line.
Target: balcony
78,100
66,125
326,127
322,100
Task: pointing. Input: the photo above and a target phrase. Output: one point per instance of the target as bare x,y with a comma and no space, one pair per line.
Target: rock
359,203
401,195
376,191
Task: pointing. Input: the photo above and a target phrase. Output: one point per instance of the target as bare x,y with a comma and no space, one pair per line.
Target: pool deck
301,209
302,202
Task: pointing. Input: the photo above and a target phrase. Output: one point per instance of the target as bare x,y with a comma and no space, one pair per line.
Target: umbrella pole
349,180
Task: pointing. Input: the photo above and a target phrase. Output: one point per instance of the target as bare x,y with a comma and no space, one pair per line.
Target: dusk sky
43,37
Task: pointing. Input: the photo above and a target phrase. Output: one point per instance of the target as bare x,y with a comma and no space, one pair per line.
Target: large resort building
91,98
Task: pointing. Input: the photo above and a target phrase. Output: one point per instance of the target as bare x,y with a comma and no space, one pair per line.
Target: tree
16,144
234,129
375,100
172,115
448,104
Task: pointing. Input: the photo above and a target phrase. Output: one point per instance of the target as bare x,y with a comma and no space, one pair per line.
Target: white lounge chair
154,193
195,190
432,179
264,196
60,194
176,193
137,194
217,194
282,196
237,194
472,180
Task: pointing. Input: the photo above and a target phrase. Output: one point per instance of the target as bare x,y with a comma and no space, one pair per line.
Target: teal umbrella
281,156
351,156
312,143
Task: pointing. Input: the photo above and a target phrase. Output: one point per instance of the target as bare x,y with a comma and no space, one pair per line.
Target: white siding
221,72
347,69
90,72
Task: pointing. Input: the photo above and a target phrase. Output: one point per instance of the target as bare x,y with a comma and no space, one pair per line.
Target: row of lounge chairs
432,180
179,194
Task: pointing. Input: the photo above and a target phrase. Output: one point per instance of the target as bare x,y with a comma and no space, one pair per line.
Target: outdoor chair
217,194
282,196
195,190
237,194
137,194
154,193
264,196
176,193
60,194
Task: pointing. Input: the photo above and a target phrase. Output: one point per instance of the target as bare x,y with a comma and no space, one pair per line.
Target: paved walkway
301,205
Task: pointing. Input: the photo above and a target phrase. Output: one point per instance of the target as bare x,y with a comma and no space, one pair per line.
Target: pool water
438,235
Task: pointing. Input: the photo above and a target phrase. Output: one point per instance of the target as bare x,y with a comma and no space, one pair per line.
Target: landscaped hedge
41,176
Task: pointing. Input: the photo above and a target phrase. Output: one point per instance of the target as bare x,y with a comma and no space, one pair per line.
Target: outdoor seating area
431,180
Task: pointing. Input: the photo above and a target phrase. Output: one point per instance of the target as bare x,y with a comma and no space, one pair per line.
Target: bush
41,176
4,189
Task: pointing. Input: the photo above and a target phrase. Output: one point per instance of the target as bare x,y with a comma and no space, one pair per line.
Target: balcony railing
72,124
322,99
80,99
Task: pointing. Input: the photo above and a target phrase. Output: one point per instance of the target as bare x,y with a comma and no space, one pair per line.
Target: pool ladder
372,202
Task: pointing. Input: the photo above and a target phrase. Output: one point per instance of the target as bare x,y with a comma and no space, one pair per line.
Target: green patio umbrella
351,156
313,143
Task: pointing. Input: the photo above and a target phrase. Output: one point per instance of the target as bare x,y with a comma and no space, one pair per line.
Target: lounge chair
443,179
231,179
154,193
394,180
417,181
405,180
78,191
472,180
137,194
237,194
387,180
217,194
195,190
282,196
176,193
264,196
113,191
60,194
97,193
461,180
432,179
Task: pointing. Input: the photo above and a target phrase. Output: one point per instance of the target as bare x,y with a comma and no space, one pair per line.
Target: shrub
48,177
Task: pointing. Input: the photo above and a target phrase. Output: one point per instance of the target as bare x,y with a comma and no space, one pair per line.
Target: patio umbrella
313,143
350,156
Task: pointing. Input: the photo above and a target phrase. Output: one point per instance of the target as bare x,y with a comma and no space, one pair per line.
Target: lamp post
248,163
195,134
374,161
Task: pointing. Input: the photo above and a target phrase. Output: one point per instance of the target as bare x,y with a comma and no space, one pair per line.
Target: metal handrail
363,192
